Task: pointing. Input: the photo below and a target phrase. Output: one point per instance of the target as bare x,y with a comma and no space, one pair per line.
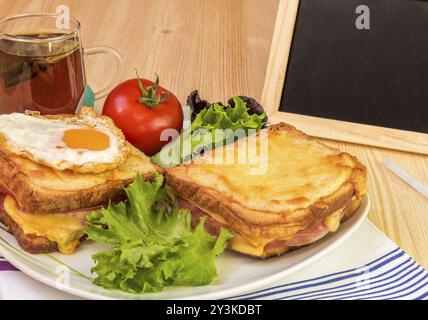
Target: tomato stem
150,97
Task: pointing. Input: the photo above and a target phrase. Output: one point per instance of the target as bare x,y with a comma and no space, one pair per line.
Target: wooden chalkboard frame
319,127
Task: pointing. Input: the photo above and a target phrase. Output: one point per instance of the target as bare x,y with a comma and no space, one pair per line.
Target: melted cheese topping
298,172
67,180
64,229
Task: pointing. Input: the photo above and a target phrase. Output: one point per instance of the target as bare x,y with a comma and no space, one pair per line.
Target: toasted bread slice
38,188
46,197
304,182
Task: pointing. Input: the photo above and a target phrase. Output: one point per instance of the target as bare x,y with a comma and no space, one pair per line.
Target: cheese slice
332,222
256,241
241,244
65,229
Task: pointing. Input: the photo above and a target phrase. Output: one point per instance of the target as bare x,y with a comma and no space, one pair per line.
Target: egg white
41,139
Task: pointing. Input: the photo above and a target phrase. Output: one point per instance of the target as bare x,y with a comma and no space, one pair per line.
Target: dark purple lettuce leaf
253,106
195,103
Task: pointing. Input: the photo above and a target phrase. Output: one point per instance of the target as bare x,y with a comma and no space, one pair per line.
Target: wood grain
360,133
398,210
279,53
221,47
363,134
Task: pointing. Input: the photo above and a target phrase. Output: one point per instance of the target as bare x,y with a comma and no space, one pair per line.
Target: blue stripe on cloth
311,294
423,286
383,287
369,279
388,295
423,296
317,278
359,271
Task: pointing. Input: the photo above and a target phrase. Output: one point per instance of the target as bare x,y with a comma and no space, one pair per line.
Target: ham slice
211,225
4,193
301,238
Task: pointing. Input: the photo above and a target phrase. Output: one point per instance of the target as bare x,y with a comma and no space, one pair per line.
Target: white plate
238,274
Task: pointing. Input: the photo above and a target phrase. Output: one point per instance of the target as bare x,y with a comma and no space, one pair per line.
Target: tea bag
21,61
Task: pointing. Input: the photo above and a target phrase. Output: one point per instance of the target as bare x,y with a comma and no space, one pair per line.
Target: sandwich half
304,192
45,207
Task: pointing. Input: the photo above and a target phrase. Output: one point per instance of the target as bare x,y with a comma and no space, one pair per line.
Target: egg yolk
89,139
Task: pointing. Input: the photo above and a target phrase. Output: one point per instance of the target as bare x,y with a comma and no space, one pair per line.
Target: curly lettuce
217,116
212,126
152,243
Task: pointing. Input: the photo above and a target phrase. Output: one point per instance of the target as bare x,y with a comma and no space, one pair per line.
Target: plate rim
220,294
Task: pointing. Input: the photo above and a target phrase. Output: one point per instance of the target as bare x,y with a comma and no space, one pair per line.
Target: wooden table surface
221,47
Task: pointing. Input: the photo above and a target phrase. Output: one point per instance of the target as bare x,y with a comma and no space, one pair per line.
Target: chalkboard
377,76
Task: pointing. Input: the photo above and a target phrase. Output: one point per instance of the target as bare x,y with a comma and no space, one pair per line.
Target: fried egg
83,143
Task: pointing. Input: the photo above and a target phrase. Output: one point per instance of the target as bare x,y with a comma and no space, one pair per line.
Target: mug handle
119,67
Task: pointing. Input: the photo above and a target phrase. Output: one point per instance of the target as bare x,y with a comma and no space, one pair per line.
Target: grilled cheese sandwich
306,191
44,207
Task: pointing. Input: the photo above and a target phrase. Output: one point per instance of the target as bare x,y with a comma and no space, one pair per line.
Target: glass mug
41,64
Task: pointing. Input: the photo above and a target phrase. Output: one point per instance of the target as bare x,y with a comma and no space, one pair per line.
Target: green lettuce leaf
152,242
219,117
201,134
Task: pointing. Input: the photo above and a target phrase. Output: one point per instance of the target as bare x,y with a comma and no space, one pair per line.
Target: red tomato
143,116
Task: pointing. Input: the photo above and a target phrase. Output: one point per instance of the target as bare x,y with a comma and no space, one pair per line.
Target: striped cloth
367,266
390,277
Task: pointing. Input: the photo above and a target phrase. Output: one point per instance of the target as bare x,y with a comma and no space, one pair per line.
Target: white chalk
406,177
